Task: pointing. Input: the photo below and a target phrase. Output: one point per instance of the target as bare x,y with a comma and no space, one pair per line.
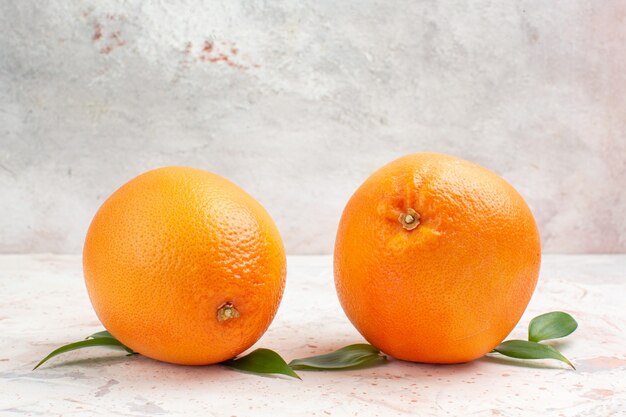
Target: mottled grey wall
298,101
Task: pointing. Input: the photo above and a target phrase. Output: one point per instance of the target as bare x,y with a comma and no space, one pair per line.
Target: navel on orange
436,259
183,266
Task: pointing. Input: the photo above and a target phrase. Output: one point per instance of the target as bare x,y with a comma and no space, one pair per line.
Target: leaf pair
553,325
267,361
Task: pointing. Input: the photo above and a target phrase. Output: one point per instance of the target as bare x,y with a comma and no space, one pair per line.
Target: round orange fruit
183,266
436,259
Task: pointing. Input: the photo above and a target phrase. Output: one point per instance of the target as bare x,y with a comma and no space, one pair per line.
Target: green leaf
356,356
551,326
524,349
262,361
104,333
98,341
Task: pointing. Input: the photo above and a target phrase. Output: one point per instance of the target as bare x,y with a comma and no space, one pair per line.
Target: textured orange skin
451,289
170,247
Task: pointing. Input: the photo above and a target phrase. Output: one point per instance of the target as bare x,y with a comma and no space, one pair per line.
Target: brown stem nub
227,311
409,220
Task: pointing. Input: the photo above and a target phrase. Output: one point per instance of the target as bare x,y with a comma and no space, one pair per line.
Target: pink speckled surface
44,304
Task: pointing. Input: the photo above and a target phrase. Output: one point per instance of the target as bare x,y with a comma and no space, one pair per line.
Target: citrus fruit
436,259
183,266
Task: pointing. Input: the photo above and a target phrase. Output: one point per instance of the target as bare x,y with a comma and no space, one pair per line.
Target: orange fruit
183,266
436,259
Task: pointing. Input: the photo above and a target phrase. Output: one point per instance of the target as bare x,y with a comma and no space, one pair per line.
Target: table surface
44,304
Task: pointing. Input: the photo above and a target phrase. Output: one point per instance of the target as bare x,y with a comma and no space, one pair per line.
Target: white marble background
298,102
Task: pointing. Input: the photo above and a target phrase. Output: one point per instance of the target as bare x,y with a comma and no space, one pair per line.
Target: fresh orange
183,266
436,259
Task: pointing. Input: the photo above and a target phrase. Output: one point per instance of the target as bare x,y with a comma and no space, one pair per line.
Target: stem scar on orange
183,266
436,259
